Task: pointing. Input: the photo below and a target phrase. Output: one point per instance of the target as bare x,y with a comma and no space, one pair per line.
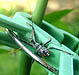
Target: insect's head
46,53
43,52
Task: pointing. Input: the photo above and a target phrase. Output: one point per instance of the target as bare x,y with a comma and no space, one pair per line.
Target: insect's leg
25,42
13,52
33,32
47,42
18,49
60,50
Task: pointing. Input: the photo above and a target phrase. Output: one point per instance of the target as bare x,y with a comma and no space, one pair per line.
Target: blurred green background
69,23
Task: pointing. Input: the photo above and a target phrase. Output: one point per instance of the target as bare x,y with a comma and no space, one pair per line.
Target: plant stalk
39,11
24,64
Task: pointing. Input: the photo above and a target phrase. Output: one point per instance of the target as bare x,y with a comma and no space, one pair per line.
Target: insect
42,50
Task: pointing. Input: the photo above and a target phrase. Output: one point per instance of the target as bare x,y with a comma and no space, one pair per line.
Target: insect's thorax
41,50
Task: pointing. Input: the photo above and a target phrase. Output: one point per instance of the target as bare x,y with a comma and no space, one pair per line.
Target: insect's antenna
55,71
44,60
33,30
60,50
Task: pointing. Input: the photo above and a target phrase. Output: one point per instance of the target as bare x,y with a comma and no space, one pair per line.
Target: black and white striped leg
60,50
25,42
33,32
46,43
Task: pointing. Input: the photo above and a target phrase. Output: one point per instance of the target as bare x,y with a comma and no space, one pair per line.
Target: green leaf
2,29
1,45
4,49
62,25
54,18
74,25
57,15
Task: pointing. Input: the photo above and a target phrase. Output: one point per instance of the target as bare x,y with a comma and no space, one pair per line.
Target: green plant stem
24,64
39,11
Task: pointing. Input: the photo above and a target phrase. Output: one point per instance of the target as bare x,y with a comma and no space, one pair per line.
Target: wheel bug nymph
41,48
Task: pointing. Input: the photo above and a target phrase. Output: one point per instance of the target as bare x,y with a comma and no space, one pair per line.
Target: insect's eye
44,51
